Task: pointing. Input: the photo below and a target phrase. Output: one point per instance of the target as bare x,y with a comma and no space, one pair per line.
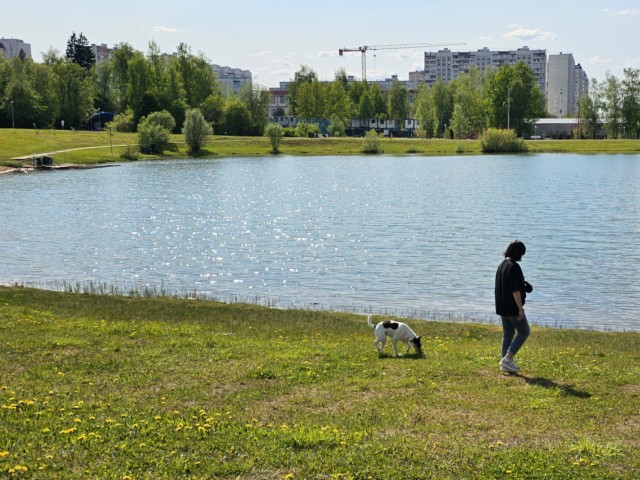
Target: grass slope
117,387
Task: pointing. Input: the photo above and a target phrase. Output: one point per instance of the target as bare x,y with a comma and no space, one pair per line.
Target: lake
407,235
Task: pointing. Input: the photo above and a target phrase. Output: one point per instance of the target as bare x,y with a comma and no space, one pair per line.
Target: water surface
417,236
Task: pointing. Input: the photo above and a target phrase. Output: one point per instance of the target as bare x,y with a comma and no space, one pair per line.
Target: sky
274,39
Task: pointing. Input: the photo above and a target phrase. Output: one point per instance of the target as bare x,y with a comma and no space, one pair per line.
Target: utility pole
509,107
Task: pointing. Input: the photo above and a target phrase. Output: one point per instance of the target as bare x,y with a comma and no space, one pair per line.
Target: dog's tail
370,322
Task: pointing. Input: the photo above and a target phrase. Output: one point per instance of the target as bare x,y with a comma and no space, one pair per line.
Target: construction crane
363,50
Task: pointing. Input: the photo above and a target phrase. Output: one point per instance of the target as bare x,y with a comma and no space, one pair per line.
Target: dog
397,332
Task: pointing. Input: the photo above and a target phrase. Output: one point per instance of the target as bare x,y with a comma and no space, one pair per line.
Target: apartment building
11,47
447,65
566,83
232,79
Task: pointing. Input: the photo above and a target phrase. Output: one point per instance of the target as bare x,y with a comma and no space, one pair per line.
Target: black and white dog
398,332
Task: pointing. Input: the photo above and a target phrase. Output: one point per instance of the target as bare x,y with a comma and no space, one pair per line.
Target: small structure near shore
44,161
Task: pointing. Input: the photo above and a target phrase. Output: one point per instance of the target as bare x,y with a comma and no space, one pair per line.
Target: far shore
19,147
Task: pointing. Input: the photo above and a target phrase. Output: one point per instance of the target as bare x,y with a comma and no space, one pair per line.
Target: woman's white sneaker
508,365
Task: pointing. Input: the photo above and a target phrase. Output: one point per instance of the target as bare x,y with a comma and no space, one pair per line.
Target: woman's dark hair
515,250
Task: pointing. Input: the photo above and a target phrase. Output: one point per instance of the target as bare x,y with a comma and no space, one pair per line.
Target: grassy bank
115,387
99,147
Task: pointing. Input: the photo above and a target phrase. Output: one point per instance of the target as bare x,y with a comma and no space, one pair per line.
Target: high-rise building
447,65
566,83
232,79
11,47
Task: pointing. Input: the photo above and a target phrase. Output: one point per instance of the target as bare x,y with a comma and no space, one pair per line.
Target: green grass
98,147
97,386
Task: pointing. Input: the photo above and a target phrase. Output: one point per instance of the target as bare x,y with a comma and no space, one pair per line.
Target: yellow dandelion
4,453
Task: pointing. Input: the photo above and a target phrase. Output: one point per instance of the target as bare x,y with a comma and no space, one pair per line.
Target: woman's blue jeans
512,327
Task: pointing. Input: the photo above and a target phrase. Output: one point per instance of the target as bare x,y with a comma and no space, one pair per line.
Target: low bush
275,133
497,140
372,142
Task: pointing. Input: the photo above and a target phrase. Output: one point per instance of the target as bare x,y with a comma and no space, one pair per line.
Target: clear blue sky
274,38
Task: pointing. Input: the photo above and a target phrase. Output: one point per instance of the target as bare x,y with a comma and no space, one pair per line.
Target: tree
514,98
424,111
589,110
379,106
122,53
398,102
442,101
338,104
631,103
79,51
311,98
365,108
237,118
275,132
302,76
612,95
138,85
196,130
257,100
469,110
75,93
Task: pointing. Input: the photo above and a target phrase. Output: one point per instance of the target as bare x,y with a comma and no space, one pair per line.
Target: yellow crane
363,50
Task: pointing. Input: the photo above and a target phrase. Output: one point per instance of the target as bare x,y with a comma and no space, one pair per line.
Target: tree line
134,85
73,87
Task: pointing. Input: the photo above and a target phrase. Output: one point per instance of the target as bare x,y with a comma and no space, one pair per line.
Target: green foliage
79,51
307,130
514,98
154,132
130,152
122,122
372,143
502,141
196,130
398,102
274,132
237,118
337,127
256,99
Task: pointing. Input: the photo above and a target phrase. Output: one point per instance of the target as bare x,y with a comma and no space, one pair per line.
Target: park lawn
82,147
100,386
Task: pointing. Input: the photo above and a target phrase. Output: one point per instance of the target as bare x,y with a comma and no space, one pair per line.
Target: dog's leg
395,347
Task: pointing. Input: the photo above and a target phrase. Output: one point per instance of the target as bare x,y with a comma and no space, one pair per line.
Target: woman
511,291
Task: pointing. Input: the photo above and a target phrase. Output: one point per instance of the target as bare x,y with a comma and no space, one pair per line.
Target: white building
566,83
232,79
101,52
11,47
447,65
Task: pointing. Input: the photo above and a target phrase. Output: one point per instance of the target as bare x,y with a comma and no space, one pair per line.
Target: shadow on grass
403,356
568,390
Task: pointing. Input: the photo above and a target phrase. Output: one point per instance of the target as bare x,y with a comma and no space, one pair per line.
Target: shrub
162,118
307,130
338,127
502,141
275,132
122,122
154,131
372,142
130,152
196,130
